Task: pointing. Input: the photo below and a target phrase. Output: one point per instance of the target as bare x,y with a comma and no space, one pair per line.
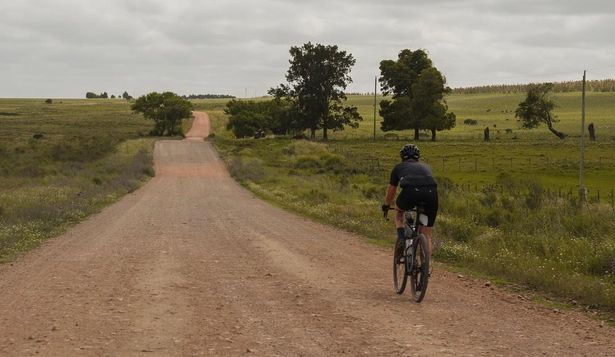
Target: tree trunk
433,134
416,134
324,133
312,134
486,134
559,134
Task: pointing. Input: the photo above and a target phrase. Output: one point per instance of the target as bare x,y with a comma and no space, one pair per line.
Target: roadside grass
63,161
509,208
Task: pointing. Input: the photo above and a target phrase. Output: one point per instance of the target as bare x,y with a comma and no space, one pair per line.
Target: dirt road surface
193,264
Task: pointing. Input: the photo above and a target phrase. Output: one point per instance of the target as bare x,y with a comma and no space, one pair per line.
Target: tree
417,90
166,109
246,118
317,76
537,108
126,96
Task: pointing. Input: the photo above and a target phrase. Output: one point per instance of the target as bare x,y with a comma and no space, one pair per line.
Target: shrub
458,229
470,122
372,192
307,162
247,169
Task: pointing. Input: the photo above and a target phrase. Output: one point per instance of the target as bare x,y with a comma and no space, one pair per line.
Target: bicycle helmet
410,151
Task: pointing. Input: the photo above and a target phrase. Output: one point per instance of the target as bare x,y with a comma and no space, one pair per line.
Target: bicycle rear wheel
400,276
419,275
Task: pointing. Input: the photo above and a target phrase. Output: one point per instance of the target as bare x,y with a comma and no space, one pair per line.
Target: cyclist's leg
427,232
430,201
404,202
399,218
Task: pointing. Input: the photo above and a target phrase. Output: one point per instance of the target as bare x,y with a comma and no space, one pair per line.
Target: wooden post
592,132
582,190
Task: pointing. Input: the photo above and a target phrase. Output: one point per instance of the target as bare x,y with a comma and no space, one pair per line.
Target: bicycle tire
400,275
419,276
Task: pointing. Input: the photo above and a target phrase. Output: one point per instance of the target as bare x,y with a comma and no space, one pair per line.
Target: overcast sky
63,48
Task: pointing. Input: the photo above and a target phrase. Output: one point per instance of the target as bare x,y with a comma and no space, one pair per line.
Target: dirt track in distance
193,264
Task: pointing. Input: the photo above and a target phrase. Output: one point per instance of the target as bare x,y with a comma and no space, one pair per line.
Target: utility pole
582,190
375,91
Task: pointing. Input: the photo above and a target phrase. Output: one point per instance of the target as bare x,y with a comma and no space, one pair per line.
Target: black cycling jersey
412,173
418,188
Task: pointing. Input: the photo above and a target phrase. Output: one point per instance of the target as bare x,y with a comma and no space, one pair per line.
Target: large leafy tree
537,108
166,109
317,78
417,89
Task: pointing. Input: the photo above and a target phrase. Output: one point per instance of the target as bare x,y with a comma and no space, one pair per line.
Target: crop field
509,207
60,162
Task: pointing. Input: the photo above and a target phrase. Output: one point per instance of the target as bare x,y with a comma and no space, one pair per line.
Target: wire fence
482,164
381,168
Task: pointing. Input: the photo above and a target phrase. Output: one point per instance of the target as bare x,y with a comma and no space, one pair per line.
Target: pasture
60,162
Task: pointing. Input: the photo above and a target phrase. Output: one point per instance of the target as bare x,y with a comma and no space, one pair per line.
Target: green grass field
60,162
509,208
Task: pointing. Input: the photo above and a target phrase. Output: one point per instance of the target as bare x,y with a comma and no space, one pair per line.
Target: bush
470,122
247,169
458,229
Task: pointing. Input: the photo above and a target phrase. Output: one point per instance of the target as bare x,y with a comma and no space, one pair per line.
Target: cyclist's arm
391,190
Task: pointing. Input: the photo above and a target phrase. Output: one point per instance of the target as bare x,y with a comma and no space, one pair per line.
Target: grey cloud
65,47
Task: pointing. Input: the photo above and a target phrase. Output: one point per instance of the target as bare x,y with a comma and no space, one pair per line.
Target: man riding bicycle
418,187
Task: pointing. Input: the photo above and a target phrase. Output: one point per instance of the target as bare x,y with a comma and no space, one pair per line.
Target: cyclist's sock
400,233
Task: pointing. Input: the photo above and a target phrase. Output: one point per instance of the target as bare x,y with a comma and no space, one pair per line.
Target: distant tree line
105,95
208,96
92,95
602,85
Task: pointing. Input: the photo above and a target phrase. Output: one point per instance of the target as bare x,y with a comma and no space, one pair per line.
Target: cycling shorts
423,196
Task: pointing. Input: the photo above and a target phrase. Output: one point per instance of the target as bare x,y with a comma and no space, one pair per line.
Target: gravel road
193,264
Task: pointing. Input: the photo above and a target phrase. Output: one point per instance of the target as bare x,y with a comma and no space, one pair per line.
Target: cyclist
417,187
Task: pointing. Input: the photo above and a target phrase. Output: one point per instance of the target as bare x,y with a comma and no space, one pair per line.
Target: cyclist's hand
385,210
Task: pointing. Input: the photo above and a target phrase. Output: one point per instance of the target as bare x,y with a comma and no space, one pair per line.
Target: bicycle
411,255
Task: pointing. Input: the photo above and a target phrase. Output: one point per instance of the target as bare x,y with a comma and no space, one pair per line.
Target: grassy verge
513,229
508,208
63,161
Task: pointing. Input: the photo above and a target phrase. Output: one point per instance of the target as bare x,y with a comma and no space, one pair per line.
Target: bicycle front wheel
419,275
400,276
